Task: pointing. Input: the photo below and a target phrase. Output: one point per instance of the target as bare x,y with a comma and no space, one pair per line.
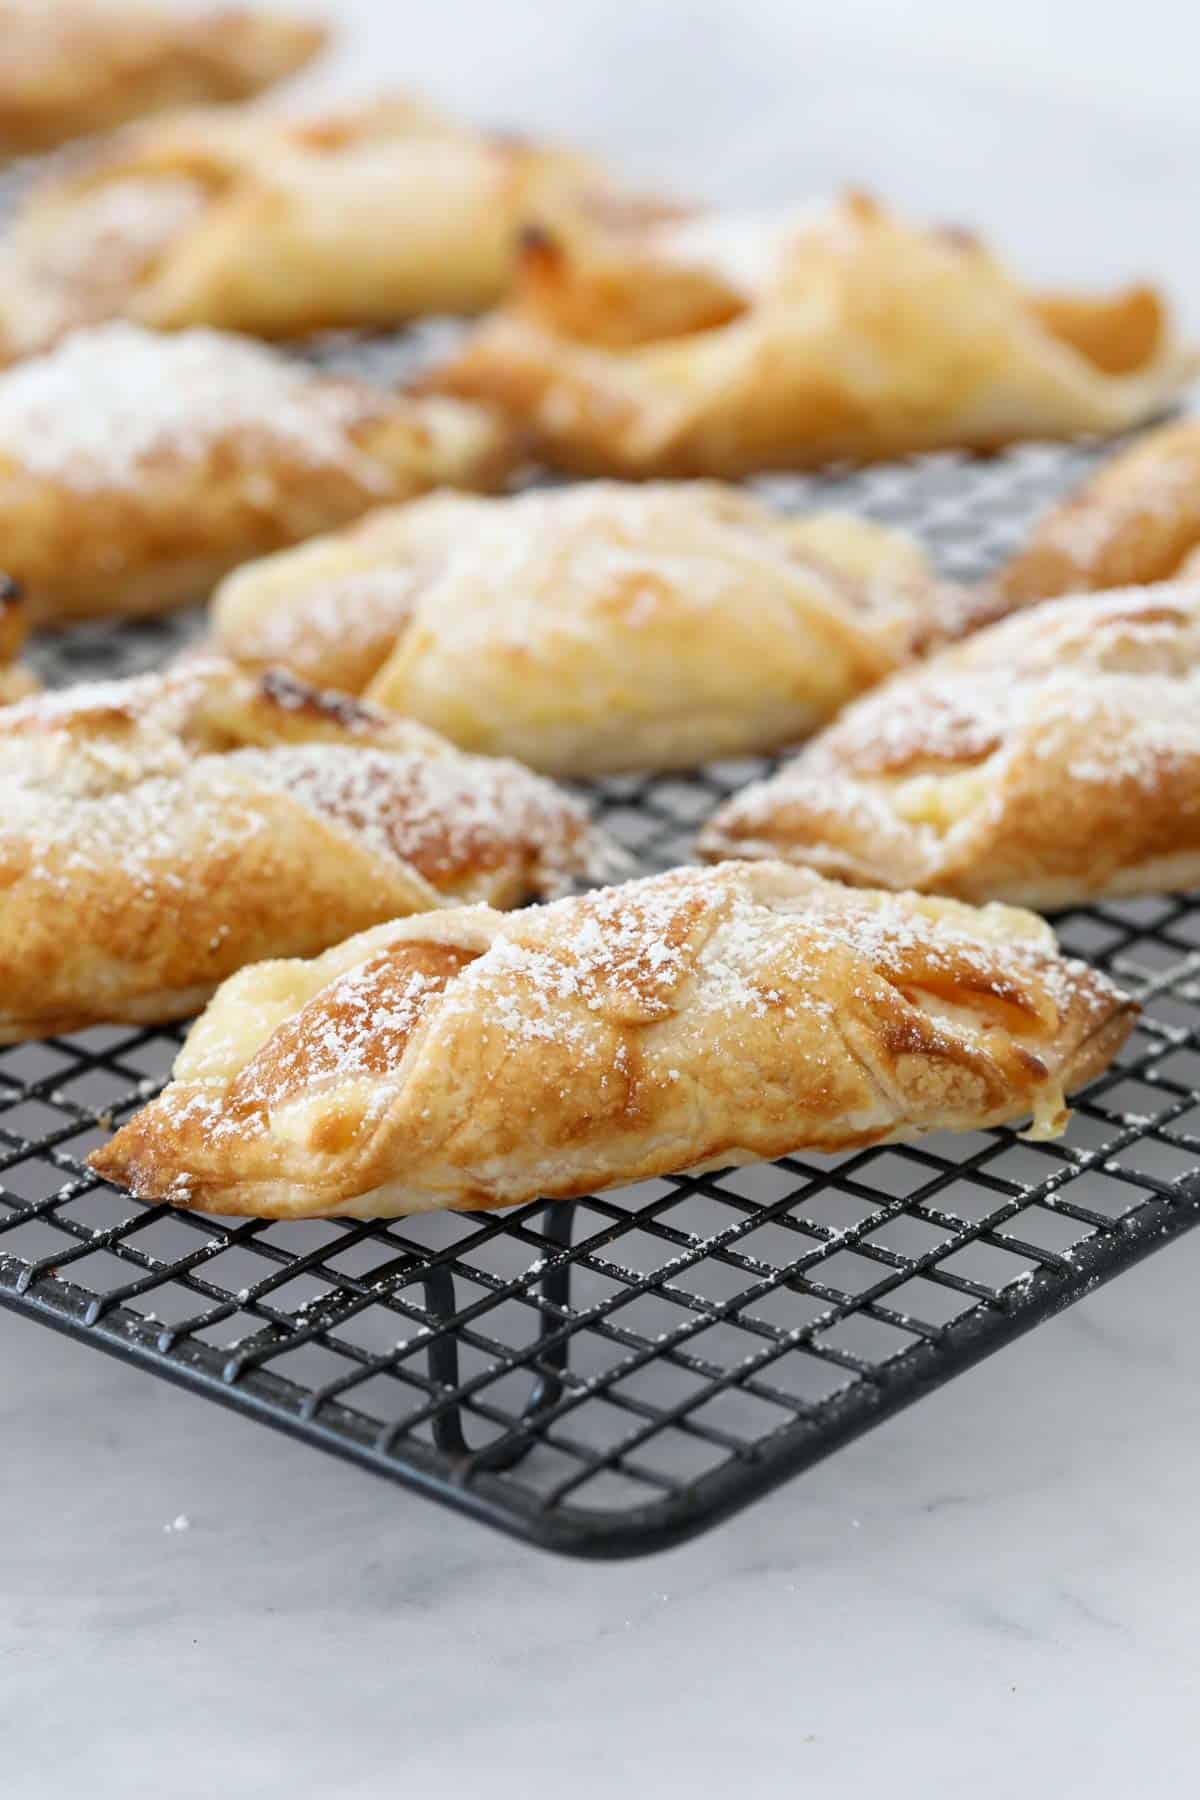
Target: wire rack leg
554,1290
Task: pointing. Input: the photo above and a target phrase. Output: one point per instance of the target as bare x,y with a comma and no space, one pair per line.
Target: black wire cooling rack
609,1376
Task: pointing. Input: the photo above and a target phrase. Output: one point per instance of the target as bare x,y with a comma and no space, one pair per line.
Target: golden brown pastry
15,681
1048,760
157,834
136,469
621,275
846,335
596,627
694,1020
73,66
275,225
99,737
1136,520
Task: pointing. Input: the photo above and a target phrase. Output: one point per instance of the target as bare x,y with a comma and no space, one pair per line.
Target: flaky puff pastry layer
693,1020
1049,760
598,627
849,334
15,681
1136,520
275,225
70,67
101,737
160,833
137,469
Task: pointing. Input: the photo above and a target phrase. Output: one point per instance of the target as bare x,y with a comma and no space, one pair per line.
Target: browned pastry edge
1134,520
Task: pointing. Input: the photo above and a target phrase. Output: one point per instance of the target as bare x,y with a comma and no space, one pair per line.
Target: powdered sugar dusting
733,943
1126,499
521,571
541,575
363,1029
959,720
1121,677
345,617
86,268
742,949
155,830
99,736
441,814
1134,630
621,951
123,223
451,819
113,401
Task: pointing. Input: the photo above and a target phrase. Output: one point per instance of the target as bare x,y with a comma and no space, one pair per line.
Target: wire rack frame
609,1376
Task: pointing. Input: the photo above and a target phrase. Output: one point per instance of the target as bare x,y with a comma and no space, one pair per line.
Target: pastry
76,66
274,225
850,335
157,835
596,627
1049,760
15,681
690,1021
1136,520
100,737
136,469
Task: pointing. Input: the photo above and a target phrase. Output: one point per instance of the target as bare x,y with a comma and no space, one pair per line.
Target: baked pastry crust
160,833
1049,760
275,225
597,627
15,681
850,336
103,737
77,66
693,1020
137,469
1136,520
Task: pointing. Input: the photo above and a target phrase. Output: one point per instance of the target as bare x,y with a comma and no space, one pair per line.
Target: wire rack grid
609,1376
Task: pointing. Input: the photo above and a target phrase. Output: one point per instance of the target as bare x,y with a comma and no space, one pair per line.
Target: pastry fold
1049,760
597,627
75,66
1136,520
101,737
275,225
694,1020
720,347
158,834
137,469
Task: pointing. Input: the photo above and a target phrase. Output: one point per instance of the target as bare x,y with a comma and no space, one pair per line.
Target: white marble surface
995,1593
1068,131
